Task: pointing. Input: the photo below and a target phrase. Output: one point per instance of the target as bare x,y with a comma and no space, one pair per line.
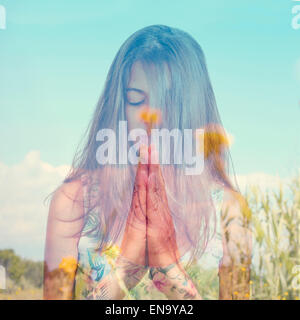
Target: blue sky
54,57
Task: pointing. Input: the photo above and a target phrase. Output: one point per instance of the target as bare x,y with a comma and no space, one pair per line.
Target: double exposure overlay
115,227
150,150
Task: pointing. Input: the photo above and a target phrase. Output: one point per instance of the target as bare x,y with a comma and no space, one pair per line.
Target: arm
116,284
131,263
65,222
234,270
174,282
63,229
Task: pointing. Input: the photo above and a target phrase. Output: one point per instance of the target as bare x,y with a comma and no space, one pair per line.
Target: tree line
19,269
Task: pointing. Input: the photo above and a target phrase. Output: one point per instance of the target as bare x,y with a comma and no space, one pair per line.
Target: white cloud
262,180
23,214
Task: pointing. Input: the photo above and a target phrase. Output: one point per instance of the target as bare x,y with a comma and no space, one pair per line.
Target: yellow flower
278,297
149,115
283,298
215,138
286,293
247,295
251,282
243,269
265,284
111,251
68,264
235,293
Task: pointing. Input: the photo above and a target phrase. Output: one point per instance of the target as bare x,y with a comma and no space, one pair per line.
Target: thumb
155,181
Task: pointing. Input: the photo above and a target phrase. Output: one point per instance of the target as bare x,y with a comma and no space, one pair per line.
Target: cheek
132,118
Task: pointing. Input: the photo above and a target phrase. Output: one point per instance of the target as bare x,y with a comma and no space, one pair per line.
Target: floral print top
94,266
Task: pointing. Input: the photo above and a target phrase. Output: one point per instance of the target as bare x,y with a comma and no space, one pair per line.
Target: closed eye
135,97
136,103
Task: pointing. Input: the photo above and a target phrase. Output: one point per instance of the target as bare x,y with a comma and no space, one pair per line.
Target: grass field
275,272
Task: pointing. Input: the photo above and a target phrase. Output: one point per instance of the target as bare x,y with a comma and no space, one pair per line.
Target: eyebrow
135,89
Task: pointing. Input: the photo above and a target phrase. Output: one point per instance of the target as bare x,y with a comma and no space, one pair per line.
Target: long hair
180,87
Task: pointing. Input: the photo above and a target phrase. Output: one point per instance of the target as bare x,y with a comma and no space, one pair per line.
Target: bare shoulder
67,201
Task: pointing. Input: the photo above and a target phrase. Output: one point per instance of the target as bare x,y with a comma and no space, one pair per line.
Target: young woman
115,226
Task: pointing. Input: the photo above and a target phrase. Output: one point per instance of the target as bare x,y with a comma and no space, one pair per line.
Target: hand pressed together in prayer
150,238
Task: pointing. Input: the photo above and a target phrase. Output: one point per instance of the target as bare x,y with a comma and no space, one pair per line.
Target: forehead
138,77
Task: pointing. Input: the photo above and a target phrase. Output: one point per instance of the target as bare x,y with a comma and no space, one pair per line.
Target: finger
160,227
133,246
142,170
143,154
156,193
140,185
137,214
153,159
156,182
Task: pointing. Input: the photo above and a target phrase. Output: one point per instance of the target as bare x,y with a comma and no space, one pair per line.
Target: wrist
164,270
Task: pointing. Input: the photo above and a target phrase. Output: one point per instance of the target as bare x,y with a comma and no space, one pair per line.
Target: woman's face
137,96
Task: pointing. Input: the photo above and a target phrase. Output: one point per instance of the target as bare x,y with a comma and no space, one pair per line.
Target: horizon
54,59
